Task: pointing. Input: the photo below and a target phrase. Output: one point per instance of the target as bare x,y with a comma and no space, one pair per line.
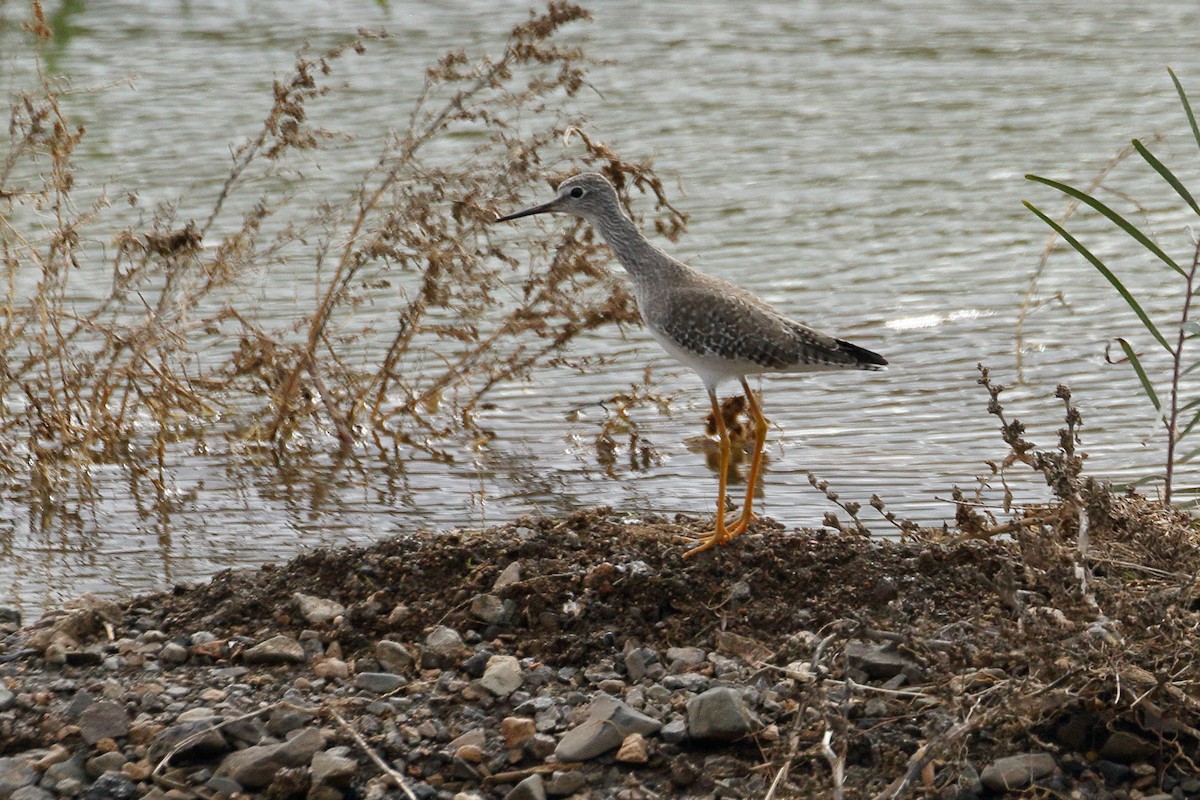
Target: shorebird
719,330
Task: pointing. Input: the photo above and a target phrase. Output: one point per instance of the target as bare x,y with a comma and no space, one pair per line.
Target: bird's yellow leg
719,535
760,439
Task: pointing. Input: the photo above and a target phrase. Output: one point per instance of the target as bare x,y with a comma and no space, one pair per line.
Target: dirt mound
1048,663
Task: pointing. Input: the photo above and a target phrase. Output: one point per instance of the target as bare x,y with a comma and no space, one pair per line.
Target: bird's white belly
712,369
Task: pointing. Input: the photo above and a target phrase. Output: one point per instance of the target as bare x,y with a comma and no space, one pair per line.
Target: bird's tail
864,358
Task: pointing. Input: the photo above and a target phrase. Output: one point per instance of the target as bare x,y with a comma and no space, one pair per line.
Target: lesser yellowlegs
712,326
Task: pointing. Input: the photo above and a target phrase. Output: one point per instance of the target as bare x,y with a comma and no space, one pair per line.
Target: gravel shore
585,658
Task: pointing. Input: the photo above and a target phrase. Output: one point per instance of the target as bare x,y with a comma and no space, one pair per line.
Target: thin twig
388,770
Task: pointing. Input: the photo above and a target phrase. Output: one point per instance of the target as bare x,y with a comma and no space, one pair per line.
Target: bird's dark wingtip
866,359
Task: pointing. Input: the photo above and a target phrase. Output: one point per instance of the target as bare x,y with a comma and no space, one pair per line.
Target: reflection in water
857,166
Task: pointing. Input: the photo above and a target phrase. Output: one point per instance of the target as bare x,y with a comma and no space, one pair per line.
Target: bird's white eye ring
577,192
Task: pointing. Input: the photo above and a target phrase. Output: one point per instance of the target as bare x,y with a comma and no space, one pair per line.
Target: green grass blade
1187,107
1113,217
1108,274
1136,363
1167,175
1188,428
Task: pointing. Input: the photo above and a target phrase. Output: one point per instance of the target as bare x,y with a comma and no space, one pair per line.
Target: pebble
476,664
394,657
105,762
674,732
565,782
256,766
608,722
634,750
880,662
276,650
719,714
681,658
1126,748
517,730
15,773
317,610
444,645
508,576
64,776
1016,772
31,793
379,682
111,786
331,668
103,720
489,608
532,788
502,676
7,698
174,653
333,767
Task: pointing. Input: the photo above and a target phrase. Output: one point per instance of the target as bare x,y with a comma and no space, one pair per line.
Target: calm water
859,164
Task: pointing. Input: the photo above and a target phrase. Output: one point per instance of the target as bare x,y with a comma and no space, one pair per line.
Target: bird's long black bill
543,208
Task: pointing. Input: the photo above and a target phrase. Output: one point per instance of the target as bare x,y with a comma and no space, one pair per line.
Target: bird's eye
577,192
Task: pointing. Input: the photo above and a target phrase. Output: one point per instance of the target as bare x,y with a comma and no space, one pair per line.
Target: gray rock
881,663
10,616
31,793
609,721
719,714
489,609
564,782
1112,772
15,773
208,742
247,730
276,650
394,657
1016,772
674,731
687,681
286,719
61,777
379,682
79,703
103,720
223,786
111,786
502,676
7,698
685,657
508,576
532,788
476,664
1126,748
330,769
199,715
443,641
105,762
173,653
316,610
255,766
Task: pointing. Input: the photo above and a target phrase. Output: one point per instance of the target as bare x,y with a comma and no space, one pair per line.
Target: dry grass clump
417,310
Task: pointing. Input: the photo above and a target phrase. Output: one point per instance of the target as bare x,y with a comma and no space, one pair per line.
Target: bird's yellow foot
742,525
706,541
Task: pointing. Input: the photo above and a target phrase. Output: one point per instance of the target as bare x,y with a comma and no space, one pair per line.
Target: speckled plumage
710,325
718,329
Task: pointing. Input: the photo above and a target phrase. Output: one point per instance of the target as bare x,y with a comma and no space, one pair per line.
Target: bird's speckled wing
739,327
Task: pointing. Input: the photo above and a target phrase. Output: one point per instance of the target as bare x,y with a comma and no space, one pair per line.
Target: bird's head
588,195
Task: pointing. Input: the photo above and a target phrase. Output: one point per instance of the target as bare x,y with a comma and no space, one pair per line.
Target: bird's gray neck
642,260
